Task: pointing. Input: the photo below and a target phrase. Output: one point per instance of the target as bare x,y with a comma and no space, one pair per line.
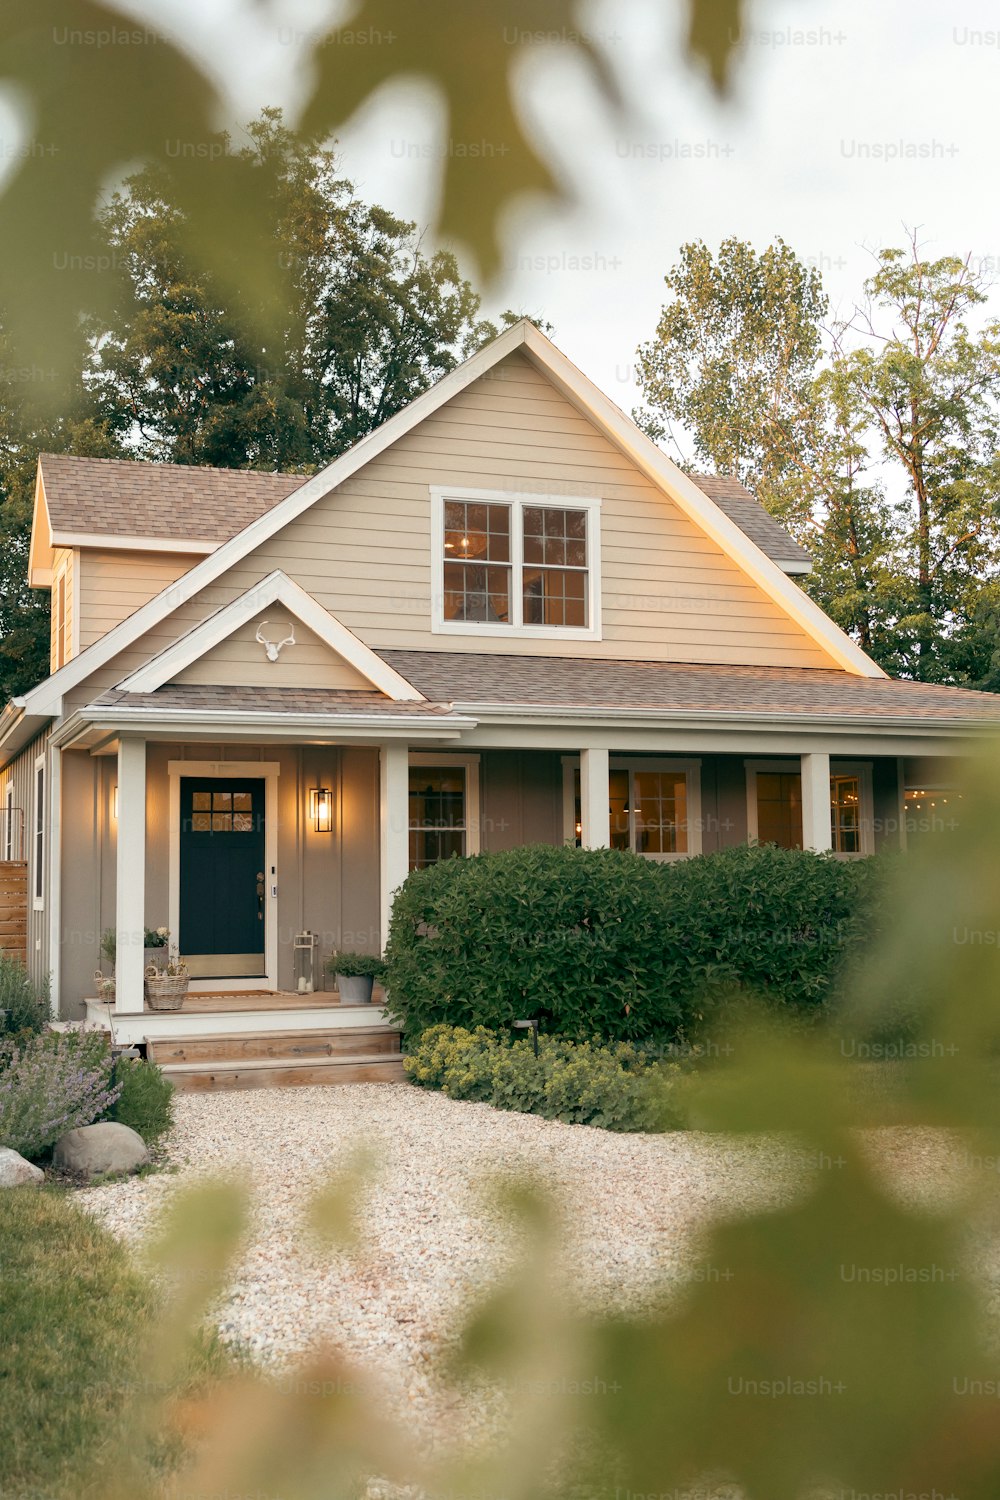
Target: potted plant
109,946
166,986
355,975
155,939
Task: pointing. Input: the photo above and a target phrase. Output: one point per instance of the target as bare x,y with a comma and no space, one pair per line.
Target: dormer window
516,565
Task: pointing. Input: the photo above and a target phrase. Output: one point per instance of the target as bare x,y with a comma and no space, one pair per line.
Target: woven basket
166,991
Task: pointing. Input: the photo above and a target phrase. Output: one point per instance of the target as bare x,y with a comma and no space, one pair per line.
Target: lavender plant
52,1083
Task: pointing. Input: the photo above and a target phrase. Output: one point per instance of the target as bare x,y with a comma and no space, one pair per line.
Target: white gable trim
589,400
276,588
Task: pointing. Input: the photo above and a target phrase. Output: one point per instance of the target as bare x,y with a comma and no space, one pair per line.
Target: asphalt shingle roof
175,502
579,682
751,517
194,697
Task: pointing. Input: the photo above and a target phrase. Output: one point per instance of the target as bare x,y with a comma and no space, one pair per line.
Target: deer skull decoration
273,648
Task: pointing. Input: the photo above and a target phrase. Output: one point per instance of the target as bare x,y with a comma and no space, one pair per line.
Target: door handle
260,895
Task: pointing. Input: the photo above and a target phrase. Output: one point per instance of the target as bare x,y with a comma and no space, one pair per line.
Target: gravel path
632,1207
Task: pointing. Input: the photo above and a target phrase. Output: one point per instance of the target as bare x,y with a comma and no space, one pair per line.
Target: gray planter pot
355,989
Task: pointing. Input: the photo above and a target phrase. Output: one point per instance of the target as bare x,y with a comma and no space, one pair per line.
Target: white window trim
516,630
261,770
862,769
692,774
470,764
38,861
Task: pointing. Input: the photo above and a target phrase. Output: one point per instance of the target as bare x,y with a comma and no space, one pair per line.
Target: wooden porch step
285,1046
284,1073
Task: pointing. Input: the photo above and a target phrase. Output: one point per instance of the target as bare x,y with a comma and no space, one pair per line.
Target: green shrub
578,1083
52,1083
146,1099
25,1004
780,925
571,936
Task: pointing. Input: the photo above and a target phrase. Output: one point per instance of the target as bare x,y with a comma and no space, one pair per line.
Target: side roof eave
587,398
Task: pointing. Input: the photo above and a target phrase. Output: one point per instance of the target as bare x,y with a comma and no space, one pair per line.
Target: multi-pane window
845,814
222,812
516,565
647,810
438,814
779,808
477,562
554,566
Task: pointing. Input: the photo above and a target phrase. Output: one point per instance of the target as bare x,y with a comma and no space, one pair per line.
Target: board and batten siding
363,551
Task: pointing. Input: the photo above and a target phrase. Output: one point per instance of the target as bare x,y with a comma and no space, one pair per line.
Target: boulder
95,1149
16,1172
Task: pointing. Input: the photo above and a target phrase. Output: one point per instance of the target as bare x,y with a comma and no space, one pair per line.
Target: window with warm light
932,809
648,809
845,814
524,565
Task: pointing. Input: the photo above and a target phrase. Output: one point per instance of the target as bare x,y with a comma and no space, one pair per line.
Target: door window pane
779,808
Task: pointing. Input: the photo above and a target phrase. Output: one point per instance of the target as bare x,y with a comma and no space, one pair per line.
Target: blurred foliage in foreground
98,92
840,1346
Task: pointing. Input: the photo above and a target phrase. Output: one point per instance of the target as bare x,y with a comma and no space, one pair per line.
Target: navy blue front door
222,876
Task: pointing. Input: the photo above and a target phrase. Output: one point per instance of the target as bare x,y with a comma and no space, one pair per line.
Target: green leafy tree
368,320
876,446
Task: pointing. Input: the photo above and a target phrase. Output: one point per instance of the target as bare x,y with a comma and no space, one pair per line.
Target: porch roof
175,697
474,681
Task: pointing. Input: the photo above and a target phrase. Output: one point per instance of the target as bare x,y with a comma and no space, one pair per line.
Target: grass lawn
76,1320
72,1318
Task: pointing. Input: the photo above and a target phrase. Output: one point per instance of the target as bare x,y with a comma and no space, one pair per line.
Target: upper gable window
525,565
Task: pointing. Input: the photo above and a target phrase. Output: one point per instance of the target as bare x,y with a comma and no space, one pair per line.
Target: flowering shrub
580,1083
52,1083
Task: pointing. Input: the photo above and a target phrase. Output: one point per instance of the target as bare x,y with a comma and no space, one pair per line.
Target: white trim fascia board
77,611
318,727
276,588
107,542
212,567
702,510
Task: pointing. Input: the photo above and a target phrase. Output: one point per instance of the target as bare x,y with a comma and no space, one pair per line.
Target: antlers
273,648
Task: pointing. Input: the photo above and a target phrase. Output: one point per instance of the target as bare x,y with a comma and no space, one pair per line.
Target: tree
874,442
733,360
368,320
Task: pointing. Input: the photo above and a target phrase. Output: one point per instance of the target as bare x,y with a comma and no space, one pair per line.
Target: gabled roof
581,392
476,682
758,524
276,588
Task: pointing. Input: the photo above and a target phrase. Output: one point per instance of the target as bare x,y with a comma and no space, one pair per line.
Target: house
503,617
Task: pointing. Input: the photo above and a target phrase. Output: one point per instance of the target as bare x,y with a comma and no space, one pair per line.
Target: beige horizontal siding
113,584
241,660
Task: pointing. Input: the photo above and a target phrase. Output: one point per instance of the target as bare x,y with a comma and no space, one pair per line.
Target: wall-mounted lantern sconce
321,809
114,803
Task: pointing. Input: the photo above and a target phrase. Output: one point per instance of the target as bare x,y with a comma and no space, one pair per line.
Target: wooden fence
14,908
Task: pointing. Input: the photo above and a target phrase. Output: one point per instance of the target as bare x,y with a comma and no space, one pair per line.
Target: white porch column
394,825
595,799
54,856
816,802
130,914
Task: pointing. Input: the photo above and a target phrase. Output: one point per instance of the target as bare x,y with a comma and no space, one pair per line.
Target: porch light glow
321,809
114,804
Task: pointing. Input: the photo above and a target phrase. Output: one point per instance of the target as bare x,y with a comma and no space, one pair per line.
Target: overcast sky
849,121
